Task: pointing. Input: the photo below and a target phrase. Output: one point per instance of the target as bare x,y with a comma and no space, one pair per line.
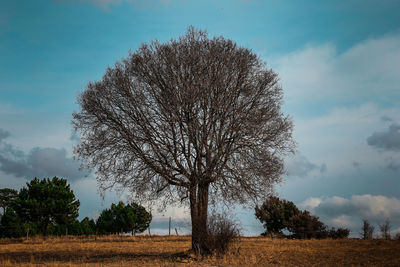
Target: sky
338,63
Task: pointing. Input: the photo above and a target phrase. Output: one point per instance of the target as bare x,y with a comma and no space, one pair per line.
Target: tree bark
198,212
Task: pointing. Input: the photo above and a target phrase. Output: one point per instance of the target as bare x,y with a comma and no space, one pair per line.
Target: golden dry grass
173,251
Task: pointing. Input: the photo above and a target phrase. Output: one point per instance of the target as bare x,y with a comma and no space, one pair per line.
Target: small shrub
303,225
221,233
397,236
338,233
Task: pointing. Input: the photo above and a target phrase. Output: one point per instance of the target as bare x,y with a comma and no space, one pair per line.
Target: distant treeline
49,207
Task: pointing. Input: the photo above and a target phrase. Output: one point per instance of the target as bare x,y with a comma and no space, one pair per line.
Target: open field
173,251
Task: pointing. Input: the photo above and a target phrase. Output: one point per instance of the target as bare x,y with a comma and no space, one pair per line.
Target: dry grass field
173,251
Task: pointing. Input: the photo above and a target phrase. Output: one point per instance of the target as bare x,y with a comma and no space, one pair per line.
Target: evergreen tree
87,226
47,201
305,225
123,218
143,218
11,225
105,222
7,198
275,214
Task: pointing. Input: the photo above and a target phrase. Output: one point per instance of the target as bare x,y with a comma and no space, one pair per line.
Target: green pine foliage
303,225
275,214
121,218
278,215
49,207
11,225
48,202
7,198
142,218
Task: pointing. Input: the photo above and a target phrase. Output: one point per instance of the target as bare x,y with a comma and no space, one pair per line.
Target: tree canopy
10,224
123,218
47,201
8,197
190,119
142,218
279,214
305,225
275,214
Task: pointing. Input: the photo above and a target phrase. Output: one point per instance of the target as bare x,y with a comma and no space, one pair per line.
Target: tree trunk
46,228
198,212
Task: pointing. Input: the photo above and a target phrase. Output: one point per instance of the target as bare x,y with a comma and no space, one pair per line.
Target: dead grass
174,251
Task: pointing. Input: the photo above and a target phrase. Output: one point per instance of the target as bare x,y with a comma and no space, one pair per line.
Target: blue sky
338,61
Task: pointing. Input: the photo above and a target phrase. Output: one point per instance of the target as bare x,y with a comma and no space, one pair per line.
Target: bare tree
194,119
385,229
367,230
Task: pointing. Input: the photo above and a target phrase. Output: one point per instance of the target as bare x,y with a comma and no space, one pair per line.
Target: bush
303,225
275,214
397,236
279,214
338,233
11,225
221,233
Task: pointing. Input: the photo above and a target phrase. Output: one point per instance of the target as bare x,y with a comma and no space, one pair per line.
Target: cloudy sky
338,62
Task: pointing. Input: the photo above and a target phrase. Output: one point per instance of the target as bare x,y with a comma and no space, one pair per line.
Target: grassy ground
173,251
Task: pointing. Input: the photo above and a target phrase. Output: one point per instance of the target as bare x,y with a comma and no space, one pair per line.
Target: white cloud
343,221
310,204
366,71
177,213
348,212
377,207
339,137
341,99
39,162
